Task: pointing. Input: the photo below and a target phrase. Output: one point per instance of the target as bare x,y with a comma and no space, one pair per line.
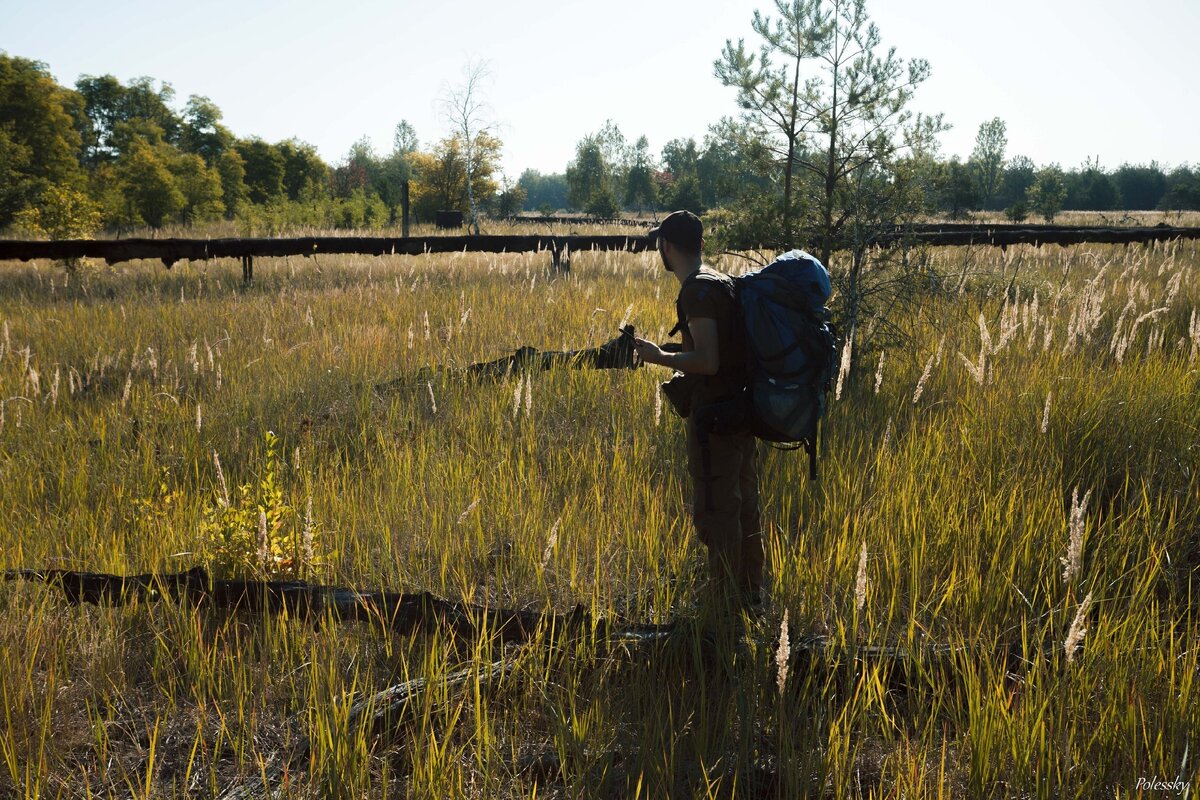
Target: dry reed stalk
551,543
1075,529
920,390
264,542
307,534
467,511
1076,632
224,498
1010,323
625,317
985,336
844,369
978,371
860,583
782,654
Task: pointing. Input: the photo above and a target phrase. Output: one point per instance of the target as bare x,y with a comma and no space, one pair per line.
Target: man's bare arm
704,359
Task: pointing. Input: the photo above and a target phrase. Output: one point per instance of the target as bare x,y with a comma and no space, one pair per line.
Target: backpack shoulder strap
707,278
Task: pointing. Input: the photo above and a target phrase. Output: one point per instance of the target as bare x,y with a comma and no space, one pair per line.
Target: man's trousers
725,506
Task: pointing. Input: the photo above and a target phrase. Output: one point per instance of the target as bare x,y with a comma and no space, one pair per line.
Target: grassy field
1019,477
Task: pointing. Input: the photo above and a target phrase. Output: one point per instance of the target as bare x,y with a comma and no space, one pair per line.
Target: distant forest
117,156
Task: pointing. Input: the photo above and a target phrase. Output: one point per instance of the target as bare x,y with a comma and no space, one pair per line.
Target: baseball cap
682,228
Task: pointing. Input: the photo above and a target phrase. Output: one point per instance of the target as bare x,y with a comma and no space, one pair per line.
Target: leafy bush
1047,194
1017,212
61,213
258,534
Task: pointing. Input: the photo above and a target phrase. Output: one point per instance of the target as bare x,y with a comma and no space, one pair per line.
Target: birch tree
469,115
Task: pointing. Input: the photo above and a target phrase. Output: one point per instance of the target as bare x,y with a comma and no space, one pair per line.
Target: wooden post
404,207
247,270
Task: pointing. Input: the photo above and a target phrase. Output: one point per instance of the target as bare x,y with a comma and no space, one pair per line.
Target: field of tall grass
1008,499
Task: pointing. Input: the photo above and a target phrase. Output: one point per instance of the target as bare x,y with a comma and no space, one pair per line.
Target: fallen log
551,219
404,612
169,251
408,612
387,710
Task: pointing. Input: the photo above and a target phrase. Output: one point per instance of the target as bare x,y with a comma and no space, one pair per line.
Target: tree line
730,166
823,147
107,154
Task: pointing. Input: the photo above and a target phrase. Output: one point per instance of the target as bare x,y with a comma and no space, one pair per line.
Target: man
725,478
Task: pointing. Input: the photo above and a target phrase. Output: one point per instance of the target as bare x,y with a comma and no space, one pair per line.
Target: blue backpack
791,356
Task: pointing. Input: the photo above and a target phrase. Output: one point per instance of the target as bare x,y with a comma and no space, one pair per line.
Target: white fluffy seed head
1076,525
844,369
783,654
860,583
307,536
551,543
467,512
264,542
224,498
1077,630
920,390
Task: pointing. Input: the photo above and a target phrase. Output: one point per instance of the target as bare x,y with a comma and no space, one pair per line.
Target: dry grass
943,518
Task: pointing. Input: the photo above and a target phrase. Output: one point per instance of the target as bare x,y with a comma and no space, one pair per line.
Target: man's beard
663,256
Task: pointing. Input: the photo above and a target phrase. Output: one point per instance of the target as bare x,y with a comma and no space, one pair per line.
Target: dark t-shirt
709,295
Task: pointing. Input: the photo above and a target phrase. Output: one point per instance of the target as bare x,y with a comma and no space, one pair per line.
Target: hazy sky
1072,78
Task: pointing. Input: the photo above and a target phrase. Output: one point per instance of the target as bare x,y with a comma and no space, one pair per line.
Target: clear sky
1073,79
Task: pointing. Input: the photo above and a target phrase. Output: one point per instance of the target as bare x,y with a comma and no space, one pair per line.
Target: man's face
662,253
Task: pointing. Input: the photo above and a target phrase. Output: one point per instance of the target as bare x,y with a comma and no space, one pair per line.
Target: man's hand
702,360
648,352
